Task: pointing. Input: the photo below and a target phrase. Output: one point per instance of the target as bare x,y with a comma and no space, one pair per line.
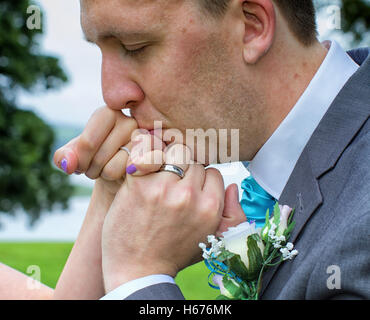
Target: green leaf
232,287
291,216
238,267
267,251
256,237
246,288
277,214
289,230
255,259
267,218
225,255
266,227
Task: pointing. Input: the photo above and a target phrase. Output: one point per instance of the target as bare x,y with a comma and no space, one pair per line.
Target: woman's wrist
103,194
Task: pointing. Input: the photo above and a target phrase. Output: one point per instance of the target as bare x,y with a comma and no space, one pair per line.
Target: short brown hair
301,16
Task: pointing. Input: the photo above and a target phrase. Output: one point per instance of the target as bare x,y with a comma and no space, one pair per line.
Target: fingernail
131,169
64,165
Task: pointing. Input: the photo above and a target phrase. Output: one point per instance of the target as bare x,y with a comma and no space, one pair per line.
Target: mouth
148,126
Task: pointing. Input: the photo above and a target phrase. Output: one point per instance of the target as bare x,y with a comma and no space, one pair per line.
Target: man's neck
292,72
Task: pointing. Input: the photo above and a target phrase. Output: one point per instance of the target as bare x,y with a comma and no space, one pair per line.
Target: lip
144,126
147,123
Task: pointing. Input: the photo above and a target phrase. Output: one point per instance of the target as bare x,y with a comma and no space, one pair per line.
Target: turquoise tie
255,202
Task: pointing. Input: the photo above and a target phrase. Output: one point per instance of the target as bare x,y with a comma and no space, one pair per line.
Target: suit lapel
344,119
302,194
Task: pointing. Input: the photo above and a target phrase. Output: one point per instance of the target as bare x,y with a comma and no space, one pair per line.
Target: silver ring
126,149
174,169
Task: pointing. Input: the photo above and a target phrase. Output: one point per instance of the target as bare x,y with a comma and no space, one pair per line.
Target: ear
260,22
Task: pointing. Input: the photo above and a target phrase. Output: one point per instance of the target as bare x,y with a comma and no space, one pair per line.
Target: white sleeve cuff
127,289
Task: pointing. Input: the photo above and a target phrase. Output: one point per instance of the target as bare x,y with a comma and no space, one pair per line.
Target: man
302,109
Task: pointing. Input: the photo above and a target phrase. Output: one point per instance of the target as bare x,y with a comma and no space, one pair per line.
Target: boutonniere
242,254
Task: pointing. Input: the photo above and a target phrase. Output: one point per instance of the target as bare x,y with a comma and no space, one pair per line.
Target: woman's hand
96,152
156,221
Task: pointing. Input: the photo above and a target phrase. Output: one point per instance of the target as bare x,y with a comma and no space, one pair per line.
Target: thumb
233,213
66,158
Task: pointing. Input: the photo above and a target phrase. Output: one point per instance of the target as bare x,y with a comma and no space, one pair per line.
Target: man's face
167,62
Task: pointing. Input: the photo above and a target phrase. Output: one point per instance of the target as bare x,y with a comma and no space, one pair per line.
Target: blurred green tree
355,18
28,179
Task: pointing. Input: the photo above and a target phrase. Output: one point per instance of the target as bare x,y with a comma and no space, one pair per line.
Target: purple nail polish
131,169
64,165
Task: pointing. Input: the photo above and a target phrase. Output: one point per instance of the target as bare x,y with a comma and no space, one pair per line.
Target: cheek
175,81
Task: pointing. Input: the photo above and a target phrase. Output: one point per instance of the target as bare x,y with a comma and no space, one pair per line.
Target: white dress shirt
275,161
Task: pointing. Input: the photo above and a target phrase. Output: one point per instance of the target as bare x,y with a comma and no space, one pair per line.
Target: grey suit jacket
330,190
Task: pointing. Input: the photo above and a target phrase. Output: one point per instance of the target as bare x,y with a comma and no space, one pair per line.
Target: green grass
51,258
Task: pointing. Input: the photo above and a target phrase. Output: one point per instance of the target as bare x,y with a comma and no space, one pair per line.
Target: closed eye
135,50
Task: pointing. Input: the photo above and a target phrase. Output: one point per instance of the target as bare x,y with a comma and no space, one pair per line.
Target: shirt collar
275,161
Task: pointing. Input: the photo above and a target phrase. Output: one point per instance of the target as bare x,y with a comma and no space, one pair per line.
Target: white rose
235,240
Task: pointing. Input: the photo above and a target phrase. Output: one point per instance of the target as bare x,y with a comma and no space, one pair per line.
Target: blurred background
49,87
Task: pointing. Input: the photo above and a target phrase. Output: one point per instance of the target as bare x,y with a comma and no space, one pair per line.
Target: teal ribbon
219,268
255,202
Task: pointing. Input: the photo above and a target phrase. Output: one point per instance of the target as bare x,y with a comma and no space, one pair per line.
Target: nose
119,89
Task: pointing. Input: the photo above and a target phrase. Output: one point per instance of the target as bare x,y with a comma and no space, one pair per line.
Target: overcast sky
76,101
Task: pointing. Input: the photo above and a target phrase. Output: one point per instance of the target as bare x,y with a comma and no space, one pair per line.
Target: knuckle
99,111
187,195
158,194
185,198
105,112
211,204
91,175
110,173
98,162
86,144
215,172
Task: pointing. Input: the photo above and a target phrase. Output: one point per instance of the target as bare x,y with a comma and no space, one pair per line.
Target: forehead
105,17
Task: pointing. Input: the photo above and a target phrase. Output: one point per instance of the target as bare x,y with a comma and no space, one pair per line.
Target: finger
171,136
195,176
115,169
119,136
214,191
146,155
233,214
96,131
144,143
148,163
177,155
66,158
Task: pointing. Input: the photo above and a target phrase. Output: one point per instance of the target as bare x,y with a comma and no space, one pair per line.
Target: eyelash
135,52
